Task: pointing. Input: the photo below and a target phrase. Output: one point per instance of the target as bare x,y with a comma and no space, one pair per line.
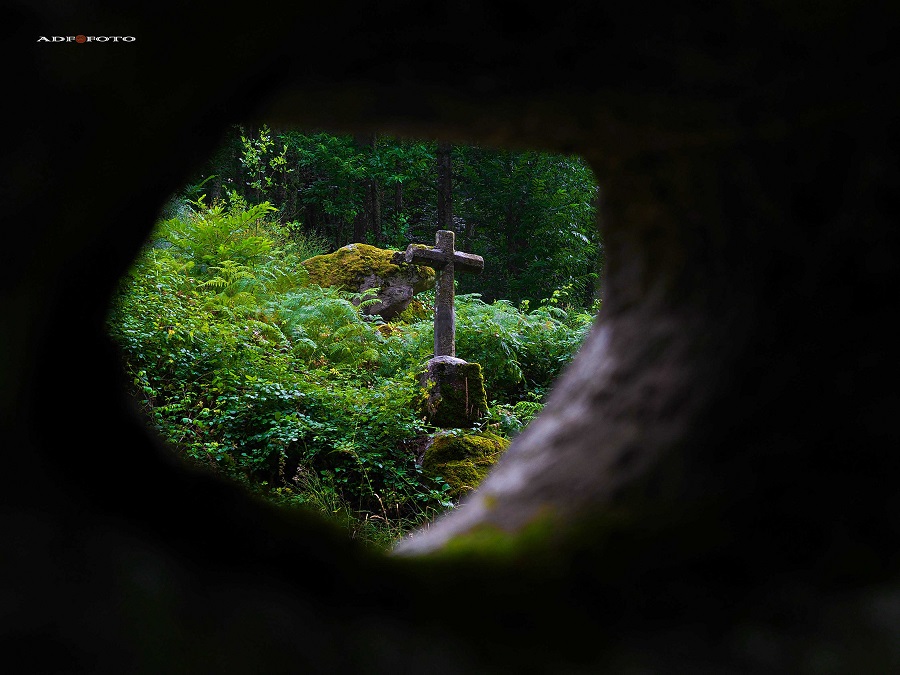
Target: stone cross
446,260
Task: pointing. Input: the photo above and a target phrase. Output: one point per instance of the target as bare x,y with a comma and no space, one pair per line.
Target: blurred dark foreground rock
713,485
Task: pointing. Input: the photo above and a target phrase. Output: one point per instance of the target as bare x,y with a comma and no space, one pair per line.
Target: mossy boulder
361,267
453,392
463,459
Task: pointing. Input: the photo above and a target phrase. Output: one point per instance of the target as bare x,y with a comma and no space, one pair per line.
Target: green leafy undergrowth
521,350
252,372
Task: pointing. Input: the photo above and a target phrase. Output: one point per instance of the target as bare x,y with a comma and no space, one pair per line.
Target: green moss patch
463,459
349,265
455,395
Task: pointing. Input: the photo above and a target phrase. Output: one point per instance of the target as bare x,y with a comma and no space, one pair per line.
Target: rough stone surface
454,393
463,459
713,485
361,267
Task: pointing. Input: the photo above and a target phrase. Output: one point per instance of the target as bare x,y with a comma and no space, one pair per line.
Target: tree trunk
444,187
398,209
373,206
364,224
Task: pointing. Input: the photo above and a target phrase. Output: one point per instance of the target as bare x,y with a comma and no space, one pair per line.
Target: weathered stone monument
446,260
454,388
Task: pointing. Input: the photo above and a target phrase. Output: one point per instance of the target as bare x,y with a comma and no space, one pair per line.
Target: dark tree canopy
531,215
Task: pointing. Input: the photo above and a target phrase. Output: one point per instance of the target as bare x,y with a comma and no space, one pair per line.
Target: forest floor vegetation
247,369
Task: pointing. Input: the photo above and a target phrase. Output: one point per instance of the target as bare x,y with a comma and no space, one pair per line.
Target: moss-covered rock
415,311
362,267
454,395
463,459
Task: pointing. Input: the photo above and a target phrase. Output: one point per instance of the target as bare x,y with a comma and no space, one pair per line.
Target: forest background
247,369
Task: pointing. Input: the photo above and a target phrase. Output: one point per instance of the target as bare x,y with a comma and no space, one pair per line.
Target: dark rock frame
713,486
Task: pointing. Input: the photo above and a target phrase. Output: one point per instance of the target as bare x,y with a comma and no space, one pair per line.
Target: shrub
247,370
286,387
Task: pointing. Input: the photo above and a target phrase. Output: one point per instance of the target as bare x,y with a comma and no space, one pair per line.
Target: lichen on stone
454,392
415,311
362,267
462,460
347,266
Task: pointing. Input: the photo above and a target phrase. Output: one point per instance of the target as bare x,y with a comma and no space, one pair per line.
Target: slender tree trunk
469,234
373,204
444,187
364,225
398,207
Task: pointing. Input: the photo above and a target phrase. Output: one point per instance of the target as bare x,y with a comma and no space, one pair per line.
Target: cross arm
438,259
467,262
430,257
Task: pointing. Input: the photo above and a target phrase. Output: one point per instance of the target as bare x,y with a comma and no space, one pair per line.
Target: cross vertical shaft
446,260
444,294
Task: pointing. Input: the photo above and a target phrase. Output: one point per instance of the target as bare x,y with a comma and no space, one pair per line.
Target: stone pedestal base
453,392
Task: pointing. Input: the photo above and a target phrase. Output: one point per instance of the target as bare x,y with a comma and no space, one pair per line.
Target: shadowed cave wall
710,489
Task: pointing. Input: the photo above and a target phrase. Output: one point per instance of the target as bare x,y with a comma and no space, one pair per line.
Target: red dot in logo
80,38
